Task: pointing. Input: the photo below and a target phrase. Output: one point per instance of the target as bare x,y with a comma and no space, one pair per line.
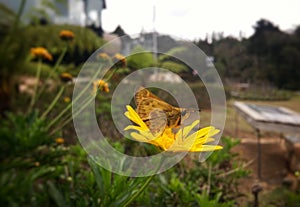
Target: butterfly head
185,112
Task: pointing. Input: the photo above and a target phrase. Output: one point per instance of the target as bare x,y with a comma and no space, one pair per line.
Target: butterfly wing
157,121
152,110
156,113
142,93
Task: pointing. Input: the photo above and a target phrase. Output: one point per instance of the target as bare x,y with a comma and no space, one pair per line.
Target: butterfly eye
183,113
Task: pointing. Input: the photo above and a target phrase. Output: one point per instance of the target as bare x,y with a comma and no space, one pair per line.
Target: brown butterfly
158,114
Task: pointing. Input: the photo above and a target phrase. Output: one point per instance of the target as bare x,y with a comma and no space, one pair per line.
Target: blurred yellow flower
181,141
37,164
59,140
41,52
100,85
67,99
121,59
66,35
66,77
104,56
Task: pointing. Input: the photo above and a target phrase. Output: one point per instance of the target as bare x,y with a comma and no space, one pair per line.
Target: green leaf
56,194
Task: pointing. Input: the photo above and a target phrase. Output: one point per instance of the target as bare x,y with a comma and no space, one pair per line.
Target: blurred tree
144,59
170,62
264,35
276,54
288,73
119,31
232,60
140,59
269,56
205,46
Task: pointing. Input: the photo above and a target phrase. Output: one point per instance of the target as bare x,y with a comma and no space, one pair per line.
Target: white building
69,12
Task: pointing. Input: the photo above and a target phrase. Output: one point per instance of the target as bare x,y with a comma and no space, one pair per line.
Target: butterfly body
158,114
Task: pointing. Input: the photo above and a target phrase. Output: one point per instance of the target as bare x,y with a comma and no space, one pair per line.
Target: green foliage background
268,57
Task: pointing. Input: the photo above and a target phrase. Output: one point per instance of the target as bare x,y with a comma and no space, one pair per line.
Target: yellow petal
147,134
138,128
139,137
133,116
186,130
199,136
129,116
177,148
186,143
205,148
195,141
213,132
204,140
201,133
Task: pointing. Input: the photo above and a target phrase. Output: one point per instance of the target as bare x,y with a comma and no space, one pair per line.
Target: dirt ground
274,160
274,166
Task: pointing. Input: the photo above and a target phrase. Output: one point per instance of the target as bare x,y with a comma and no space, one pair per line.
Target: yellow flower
66,77
41,52
66,35
100,85
104,56
59,140
181,141
67,99
69,179
121,60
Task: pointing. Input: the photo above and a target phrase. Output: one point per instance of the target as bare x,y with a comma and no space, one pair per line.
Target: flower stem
68,119
143,187
75,100
60,58
19,14
37,76
209,179
50,107
110,75
59,116
86,101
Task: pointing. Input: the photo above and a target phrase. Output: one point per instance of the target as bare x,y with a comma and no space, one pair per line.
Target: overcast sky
193,19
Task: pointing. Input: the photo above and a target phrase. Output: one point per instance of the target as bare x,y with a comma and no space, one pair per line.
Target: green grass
293,103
